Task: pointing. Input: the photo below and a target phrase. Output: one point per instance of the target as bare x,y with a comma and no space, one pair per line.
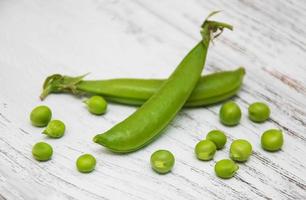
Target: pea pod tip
100,139
242,70
96,139
104,141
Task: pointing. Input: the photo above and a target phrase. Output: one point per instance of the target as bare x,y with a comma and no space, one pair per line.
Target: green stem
212,29
57,83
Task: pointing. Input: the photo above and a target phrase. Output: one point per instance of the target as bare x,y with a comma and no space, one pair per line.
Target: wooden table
148,39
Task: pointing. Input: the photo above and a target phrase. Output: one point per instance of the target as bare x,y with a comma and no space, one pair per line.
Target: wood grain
113,38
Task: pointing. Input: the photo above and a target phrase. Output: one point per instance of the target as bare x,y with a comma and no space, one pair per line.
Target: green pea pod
165,97
210,89
147,122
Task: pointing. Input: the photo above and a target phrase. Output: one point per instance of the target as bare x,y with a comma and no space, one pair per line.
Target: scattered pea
55,129
162,161
205,150
40,116
42,151
218,137
272,140
86,163
259,112
96,105
230,114
226,168
240,150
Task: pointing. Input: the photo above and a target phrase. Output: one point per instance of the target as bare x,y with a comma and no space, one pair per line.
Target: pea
218,137
40,116
230,114
205,150
42,151
259,112
55,129
240,150
162,161
96,105
272,140
86,163
226,168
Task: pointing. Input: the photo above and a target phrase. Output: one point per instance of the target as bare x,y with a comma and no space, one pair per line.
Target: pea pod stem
210,89
147,122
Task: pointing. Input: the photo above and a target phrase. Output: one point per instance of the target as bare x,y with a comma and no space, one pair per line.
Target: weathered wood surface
148,39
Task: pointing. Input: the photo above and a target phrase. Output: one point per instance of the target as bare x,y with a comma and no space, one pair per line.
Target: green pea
162,161
259,112
226,168
230,114
205,150
42,151
96,105
240,150
218,137
55,129
272,140
86,163
40,116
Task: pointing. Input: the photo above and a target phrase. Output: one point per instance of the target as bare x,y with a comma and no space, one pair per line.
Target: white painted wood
148,39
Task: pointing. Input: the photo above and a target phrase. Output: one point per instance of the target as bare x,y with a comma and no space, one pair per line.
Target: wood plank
148,39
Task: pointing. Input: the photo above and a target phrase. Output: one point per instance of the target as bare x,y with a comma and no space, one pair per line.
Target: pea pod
147,122
210,89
